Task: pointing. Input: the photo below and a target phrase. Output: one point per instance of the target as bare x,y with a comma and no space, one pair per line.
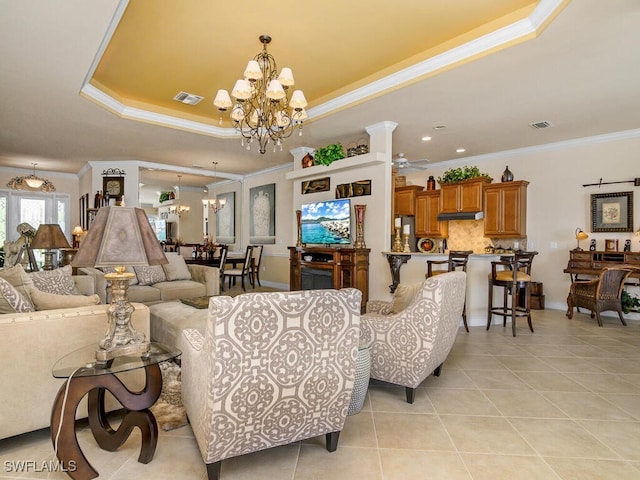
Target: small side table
86,377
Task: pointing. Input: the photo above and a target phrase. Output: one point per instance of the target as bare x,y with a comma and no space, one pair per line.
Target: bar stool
515,278
457,260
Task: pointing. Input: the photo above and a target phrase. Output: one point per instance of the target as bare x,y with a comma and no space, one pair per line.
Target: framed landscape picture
612,212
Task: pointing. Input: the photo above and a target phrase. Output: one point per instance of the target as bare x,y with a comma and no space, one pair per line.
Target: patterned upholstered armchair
410,345
271,369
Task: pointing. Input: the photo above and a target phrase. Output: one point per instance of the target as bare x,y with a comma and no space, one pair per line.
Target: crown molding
544,11
546,147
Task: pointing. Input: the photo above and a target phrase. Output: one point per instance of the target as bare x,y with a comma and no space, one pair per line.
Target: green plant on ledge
454,175
629,302
329,154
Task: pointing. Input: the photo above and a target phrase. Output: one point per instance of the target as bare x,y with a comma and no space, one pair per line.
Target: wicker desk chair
600,294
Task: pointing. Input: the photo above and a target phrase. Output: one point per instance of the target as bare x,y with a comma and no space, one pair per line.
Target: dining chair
244,271
458,259
255,265
513,274
222,260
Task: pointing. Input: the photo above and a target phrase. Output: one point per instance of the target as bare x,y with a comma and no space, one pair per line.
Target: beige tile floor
561,403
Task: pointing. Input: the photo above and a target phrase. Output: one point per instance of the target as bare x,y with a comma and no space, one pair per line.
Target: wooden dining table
233,259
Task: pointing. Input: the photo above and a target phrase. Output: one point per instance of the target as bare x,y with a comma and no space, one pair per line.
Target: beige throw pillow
177,268
404,295
17,277
51,301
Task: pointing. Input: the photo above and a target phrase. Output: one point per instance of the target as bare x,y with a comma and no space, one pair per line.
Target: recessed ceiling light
439,127
425,139
460,150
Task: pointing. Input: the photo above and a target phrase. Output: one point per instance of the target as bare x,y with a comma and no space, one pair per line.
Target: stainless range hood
460,216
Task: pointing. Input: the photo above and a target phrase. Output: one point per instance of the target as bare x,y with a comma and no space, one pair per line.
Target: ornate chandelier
262,109
179,209
31,182
213,203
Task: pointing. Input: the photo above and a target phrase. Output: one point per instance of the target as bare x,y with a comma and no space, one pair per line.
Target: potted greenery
460,174
329,154
629,302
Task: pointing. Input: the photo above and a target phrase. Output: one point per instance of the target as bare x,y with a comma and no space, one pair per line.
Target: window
34,208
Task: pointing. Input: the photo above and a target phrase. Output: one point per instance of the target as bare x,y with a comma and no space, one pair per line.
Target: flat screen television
326,223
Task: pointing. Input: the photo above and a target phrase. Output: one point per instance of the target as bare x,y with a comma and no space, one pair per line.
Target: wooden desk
590,263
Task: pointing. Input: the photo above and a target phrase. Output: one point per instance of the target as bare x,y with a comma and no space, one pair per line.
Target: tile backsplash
469,235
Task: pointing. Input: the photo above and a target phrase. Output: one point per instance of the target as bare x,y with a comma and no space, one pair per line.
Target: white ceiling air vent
188,98
542,124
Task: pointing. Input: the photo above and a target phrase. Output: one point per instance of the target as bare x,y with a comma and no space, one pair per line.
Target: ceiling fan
402,163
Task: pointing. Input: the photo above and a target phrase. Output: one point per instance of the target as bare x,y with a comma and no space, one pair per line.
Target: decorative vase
307,161
431,183
507,176
360,226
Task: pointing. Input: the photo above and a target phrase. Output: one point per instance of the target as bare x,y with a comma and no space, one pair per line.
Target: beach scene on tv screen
326,222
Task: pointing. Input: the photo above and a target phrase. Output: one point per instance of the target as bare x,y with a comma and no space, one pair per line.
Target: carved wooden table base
137,404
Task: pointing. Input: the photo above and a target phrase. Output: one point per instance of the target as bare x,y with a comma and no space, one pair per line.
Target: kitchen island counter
412,268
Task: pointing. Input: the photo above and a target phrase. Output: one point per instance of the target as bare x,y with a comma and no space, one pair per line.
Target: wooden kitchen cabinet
405,200
427,210
464,196
505,209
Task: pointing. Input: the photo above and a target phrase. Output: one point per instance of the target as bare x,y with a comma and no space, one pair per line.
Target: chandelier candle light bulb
262,110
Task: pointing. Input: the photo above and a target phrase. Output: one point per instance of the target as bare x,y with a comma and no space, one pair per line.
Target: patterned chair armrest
584,288
381,307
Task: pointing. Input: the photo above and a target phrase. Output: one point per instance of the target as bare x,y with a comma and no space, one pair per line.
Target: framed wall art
612,212
226,219
353,189
262,214
317,185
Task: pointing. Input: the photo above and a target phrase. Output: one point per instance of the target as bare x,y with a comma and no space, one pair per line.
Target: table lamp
580,235
49,237
120,237
76,233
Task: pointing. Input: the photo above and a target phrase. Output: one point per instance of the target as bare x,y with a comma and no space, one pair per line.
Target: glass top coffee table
86,376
